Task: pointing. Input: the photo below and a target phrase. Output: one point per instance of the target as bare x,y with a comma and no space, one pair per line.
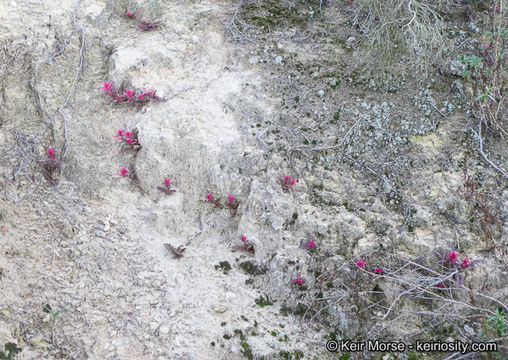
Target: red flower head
123,172
465,263
452,257
360,264
51,153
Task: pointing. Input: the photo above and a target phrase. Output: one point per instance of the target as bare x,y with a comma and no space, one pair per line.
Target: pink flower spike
107,87
166,182
378,271
129,93
440,285
118,97
452,257
123,172
465,263
299,280
51,153
244,238
208,197
119,134
311,244
360,264
231,198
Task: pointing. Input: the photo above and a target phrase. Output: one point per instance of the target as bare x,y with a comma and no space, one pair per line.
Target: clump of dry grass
394,28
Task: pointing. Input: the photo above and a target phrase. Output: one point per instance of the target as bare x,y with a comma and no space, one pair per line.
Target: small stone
278,60
37,341
469,329
122,230
153,325
164,330
253,60
219,308
351,39
315,74
321,93
233,349
47,318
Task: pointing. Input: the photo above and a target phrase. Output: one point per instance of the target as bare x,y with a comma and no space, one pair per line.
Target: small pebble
219,308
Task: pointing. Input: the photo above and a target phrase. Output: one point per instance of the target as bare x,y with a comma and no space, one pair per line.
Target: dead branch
258,137
51,117
233,28
480,141
331,147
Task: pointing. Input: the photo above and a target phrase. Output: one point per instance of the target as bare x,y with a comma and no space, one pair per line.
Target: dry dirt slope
94,244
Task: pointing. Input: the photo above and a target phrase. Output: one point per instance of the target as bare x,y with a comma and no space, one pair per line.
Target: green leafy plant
263,301
10,352
55,314
498,323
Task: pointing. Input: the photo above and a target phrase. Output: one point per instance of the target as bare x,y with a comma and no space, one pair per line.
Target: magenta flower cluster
246,246
128,95
51,153
230,202
299,280
130,15
129,138
310,244
167,187
287,182
50,166
123,172
361,264
453,259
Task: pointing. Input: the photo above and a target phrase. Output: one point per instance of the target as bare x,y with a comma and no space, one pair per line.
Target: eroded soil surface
387,170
